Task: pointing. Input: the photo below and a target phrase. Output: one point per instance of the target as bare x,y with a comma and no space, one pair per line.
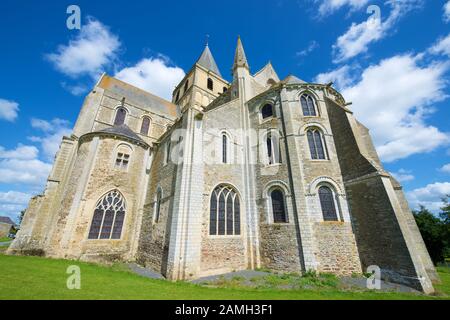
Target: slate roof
6,220
139,97
240,60
124,131
207,60
291,79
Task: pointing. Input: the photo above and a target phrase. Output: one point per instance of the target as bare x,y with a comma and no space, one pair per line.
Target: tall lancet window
225,212
273,148
109,216
145,125
326,197
167,152
308,106
210,84
224,148
278,206
316,144
121,114
267,111
157,213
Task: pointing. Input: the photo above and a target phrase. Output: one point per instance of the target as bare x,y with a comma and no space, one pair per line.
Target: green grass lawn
39,278
5,239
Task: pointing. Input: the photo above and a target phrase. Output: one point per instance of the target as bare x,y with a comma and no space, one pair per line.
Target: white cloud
403,175
445,168
313,45
393,99
341,77
358,37
442,46
53,131
13,202
11,210
76,90
328,7
14,197
22,152
155,75
89,53
22,167
8,110
447,12
32,172
429,196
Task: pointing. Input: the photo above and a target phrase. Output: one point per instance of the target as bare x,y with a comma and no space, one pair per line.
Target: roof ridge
207,60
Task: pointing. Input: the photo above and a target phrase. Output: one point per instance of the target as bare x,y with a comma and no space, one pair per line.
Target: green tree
432,229
22,213
445,216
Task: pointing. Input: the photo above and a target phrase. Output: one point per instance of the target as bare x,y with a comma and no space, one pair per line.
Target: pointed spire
240,60
207,61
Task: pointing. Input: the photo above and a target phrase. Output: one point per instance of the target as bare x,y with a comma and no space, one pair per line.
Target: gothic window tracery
225,218
109,215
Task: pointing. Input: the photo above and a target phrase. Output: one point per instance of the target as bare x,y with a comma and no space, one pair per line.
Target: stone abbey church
254,173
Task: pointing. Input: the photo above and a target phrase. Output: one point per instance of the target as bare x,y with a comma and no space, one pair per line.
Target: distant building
256,172
6,226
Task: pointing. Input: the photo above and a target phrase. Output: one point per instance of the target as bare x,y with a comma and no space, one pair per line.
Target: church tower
201,85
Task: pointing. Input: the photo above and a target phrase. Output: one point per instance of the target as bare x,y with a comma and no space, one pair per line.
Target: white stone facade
167,177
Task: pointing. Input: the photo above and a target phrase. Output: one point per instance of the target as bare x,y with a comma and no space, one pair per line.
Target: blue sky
394,68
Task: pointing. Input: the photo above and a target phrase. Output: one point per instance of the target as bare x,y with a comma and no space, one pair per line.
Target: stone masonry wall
279,247
337,252
223,253
380,227
154,237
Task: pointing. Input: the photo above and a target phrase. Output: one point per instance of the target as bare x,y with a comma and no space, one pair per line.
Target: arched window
186,86
326,197
308,106
278,206
225,89
210,84
273,148
224,148
145,125
167,153
157,213
121,114
316,144
267,111
109,216
123,157
177,97
225,212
